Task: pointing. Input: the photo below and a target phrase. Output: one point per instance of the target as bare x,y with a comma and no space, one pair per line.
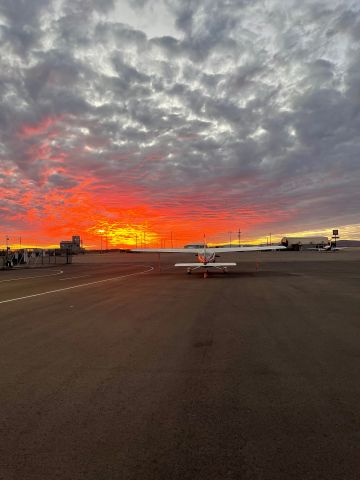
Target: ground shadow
229,274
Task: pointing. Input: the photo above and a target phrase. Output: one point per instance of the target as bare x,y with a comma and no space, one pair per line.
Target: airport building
73,246
303,243
195,245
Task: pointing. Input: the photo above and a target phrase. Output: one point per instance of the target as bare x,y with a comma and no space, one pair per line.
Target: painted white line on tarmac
28,278
76,286
72,278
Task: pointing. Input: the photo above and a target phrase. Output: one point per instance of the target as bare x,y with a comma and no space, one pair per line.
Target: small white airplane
328,248
206,256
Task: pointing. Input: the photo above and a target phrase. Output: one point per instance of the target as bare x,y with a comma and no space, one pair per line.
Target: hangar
303,243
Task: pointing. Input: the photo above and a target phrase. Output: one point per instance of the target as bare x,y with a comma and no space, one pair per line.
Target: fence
33,258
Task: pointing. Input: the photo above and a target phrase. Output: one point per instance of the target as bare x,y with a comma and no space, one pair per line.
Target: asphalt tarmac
111,369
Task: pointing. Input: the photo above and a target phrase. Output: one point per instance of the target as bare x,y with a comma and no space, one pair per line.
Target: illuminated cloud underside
172,118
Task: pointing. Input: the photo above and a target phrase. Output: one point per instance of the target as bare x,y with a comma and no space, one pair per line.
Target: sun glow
116,234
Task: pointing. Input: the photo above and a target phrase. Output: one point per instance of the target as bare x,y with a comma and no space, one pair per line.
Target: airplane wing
208,249
246,249
209,264
167,250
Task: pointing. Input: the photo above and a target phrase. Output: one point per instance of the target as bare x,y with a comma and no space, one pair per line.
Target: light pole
230,233
270,238
8,262
101,232
239,236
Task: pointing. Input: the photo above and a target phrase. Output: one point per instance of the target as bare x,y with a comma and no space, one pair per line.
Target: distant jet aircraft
207,256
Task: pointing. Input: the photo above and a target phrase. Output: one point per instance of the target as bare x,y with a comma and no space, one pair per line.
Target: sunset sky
159,118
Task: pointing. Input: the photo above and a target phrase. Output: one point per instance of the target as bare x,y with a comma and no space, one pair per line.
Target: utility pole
270,238
8,262
230,233
239,236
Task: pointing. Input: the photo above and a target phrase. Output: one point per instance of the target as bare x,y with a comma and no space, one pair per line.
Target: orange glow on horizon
117,235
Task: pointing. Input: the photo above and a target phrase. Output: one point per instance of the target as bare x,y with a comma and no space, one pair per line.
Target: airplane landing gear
189,271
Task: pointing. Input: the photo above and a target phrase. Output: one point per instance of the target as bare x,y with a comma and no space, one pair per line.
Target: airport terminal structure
73,246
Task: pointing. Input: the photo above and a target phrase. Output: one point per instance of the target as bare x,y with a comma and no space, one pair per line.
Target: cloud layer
184,116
